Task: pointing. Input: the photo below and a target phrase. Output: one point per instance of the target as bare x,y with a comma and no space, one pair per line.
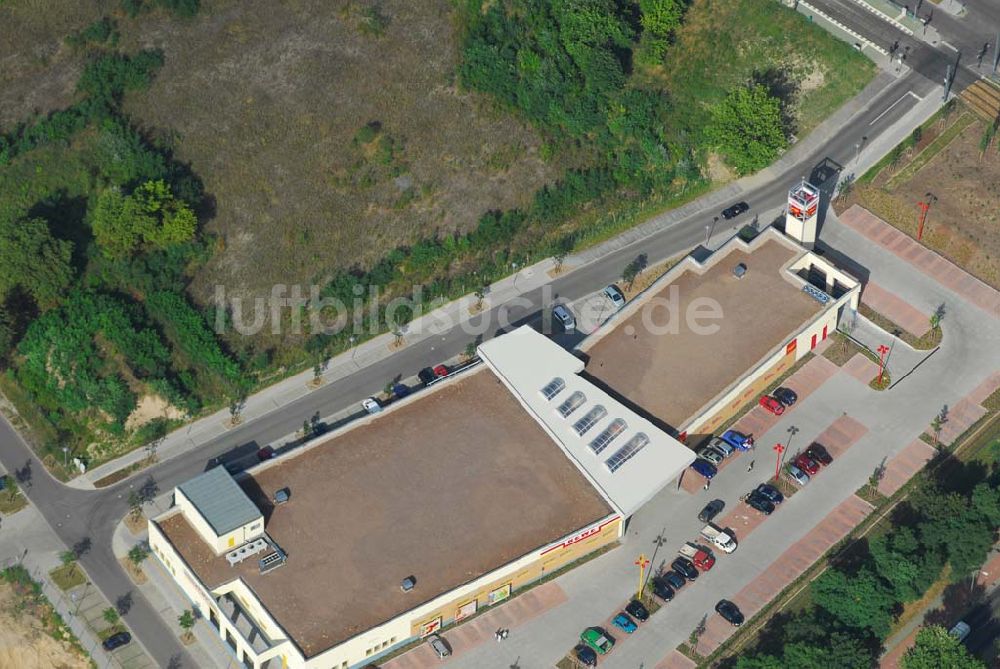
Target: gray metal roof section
220,500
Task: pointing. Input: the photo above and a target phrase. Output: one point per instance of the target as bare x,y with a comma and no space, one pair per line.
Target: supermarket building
449,501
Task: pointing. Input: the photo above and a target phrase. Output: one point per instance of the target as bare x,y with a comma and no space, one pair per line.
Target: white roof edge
525,361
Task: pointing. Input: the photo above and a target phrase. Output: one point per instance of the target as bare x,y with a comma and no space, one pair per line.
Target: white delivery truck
723,540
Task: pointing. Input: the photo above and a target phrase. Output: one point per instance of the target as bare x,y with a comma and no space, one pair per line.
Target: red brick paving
676,660
902,466
985,389
861,367
891,660
933,265
465,637
841,435
742,520
896,309
960,418
788,567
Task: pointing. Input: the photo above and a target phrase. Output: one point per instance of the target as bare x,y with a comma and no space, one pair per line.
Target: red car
772,405
265,453
806,464
441,370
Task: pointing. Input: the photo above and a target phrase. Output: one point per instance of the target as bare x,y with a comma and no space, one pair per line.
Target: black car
730,612
761,504
426,376
711,510
662,590
769,492
116,641
673,579
735,210
819,453
585,655
786,396
636,609
685,568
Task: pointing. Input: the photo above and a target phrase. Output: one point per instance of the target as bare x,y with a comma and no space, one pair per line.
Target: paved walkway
861,367
896,309
923,259
782,572
462,639
904,465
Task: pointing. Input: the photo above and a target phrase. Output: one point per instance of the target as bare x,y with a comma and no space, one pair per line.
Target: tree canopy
936,649
150,218
747,128
33,260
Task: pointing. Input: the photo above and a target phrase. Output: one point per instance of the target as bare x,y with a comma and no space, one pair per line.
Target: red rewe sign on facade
586,534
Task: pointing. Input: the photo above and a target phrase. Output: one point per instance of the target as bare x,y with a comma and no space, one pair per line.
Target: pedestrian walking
706,485
506,632
497,634
750,467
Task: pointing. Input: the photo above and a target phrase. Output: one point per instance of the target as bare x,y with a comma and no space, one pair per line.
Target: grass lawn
111,631
10,504
842,350
68,577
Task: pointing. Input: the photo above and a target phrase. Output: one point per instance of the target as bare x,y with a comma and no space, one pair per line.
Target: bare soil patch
961,224
24,637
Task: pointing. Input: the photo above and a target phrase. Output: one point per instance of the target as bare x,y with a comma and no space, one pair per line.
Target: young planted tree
135,506
186,621
138,554
68,559
111,616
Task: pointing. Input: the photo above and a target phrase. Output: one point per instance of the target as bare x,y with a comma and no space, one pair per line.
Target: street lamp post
929,199
779,449
882,350
65,450
642,562
792,431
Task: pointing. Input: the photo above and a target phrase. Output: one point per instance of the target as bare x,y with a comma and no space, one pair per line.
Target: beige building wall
219,544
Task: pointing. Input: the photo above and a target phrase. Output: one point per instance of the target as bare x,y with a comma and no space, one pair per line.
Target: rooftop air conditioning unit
408,584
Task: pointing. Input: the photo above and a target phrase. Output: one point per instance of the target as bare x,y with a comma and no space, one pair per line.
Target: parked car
265,453
729,612
615,294
597,639
371,405
116,641
700,555
585,655
624,623
662,589
798,475
737,440
721,446
960,630
786,396
759,503
806,464
735,210
438,645
401,390
426,376
637,610
769,492
819,453
673,579
721,539
711,510
685,568
565,317
771,405
710,454
705,468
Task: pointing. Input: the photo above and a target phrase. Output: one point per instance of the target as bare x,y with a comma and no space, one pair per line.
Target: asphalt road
91,516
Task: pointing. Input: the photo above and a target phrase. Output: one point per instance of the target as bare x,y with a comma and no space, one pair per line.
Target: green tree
6,332
138,554
68,559
936,649
150,218
861,600
186,621
110,615
746,128
659,19
31,258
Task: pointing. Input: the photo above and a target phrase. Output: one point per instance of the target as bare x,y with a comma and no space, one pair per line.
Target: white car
616,296
564,316
798,475
371,405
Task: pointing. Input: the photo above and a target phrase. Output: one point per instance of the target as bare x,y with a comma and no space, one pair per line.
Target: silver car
710,454
615,294
798,475
439,647
564,316
721,446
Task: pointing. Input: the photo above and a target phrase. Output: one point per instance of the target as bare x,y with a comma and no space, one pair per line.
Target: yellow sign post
642,562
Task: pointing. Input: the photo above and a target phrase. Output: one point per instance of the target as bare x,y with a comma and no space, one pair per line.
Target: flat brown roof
446,488
672,376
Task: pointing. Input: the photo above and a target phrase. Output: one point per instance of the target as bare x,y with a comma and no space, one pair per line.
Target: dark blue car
737,440
400,390
704,467
116,641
